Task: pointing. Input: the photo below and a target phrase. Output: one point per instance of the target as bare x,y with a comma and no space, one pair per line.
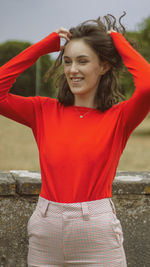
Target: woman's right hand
64,34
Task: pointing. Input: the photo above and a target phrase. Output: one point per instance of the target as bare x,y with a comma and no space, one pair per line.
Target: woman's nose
74,68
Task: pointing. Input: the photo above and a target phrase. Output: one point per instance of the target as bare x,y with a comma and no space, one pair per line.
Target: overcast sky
31,20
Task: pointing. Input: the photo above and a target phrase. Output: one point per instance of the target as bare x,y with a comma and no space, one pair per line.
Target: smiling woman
91,36
83,72
80,137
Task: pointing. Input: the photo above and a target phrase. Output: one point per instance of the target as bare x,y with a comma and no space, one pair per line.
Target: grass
18,148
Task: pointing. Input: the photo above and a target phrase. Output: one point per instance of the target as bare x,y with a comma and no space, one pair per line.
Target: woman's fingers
64,36
110,31
64,33
63,30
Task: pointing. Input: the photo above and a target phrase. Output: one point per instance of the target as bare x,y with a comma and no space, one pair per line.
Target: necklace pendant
81,116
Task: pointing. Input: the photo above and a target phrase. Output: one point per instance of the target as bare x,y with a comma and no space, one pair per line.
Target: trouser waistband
72,210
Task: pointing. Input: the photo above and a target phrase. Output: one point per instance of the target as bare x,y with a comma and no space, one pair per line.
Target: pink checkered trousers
75,234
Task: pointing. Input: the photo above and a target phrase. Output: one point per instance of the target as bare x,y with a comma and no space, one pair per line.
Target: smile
76,79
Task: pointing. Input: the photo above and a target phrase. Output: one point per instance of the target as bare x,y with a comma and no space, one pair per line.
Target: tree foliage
141,39
25,84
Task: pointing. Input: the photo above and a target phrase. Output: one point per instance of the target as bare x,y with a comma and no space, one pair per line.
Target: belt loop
85,211
112,205
44,207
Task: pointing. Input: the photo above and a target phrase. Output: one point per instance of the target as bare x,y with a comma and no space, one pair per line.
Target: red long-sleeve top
78,157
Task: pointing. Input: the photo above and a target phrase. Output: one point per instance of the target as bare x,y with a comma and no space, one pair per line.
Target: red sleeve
22,109
137,107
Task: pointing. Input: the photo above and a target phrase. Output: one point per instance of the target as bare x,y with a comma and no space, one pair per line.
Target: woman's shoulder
48,102
44,100
117,107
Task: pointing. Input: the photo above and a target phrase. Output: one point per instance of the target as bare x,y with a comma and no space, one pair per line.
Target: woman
80,137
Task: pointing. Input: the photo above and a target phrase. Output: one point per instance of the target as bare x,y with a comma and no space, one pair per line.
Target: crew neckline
83,108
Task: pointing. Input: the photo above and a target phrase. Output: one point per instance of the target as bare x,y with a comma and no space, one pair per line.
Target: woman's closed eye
83,61
67,62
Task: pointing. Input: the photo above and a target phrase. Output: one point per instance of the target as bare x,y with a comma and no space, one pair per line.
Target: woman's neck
89,103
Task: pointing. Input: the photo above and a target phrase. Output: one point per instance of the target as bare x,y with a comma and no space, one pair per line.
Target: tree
144,30
141,39
25,84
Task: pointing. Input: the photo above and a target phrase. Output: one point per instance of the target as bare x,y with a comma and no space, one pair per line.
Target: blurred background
26,22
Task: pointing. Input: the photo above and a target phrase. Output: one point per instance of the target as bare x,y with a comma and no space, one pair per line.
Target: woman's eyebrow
81,56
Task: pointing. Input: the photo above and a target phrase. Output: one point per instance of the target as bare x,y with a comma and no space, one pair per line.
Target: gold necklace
84,114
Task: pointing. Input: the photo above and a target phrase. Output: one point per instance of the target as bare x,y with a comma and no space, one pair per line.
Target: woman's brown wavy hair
95,34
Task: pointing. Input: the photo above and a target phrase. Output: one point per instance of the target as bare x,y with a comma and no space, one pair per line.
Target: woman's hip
76,232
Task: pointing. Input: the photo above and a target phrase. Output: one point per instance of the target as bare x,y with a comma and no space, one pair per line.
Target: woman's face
82,68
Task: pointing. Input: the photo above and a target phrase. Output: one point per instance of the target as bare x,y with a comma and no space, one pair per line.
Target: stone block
130,183
7,184
27,183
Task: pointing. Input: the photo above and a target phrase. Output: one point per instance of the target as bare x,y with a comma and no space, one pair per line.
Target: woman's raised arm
137,107
18,108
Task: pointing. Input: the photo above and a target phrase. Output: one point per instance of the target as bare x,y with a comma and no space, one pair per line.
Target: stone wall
19,192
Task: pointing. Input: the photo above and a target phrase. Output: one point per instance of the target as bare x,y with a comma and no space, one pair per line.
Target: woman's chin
78,91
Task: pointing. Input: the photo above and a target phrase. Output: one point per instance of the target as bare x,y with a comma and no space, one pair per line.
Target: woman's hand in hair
64,34
111,31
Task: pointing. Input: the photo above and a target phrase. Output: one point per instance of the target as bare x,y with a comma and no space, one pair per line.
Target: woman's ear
104,67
